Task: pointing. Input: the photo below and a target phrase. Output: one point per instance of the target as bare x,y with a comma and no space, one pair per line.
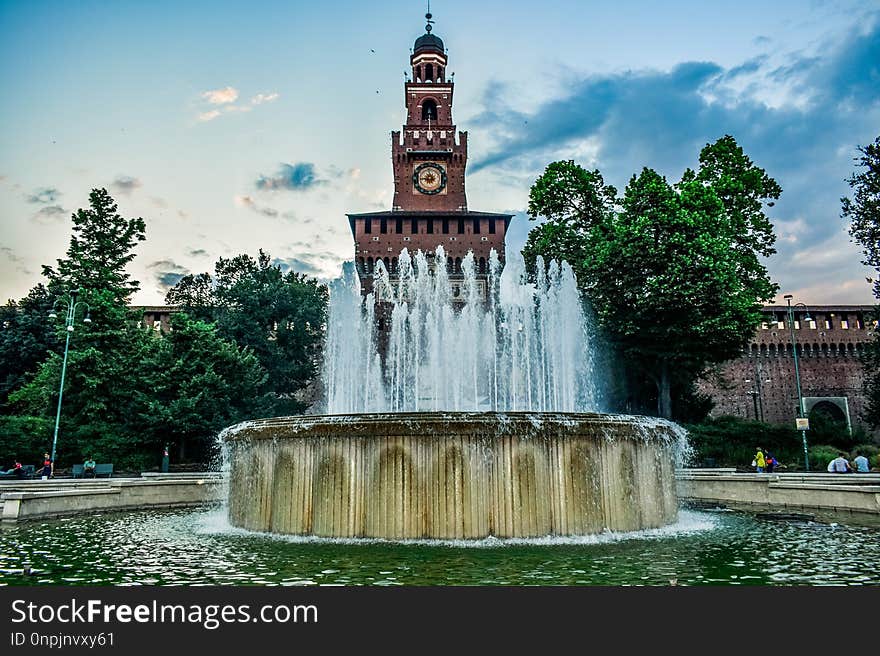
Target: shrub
731,442
821,455
867,450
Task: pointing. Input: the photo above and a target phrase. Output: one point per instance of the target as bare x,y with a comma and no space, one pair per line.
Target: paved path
38,499
847,496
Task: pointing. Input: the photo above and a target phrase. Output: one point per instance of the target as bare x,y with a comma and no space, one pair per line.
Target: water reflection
187,547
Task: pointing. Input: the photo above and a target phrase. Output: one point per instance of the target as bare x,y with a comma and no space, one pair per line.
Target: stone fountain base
452,475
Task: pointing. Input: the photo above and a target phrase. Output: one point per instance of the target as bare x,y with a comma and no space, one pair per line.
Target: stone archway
836,407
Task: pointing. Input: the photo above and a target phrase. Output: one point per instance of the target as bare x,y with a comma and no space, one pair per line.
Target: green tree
575,203
194,295
26,338
674,276
863,210
278,316
863,213
194,384
104,353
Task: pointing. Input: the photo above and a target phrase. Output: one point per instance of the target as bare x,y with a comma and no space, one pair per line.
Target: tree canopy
673,272
278,316
863,213
245,346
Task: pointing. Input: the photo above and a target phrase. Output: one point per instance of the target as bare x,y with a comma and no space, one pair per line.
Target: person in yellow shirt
760,463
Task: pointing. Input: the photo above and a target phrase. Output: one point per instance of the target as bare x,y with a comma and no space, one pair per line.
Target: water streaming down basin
472,414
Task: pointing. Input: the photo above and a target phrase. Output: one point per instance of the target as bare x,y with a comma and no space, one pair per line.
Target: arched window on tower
429,110
418,73
429,73
439,73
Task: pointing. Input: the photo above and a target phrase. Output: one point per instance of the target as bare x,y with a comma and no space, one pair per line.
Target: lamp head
52,314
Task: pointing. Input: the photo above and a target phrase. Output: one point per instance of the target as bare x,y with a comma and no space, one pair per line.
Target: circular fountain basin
452,475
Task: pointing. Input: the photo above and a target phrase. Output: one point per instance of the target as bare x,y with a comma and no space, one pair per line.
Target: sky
232,127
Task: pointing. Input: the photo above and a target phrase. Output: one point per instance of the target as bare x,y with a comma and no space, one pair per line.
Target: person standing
759,461
861,463
840,465
48,467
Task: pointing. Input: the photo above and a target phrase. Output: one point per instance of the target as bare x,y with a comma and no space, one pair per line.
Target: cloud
167,273
125,184
223,102
251,204
221,96
316,264
44,195
197,252
294,177
50,213
13,257
261,98
800,119
208,116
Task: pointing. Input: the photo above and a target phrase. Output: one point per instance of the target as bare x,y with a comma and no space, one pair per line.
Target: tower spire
428,17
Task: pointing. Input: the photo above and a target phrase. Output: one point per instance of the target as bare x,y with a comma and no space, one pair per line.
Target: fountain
473,412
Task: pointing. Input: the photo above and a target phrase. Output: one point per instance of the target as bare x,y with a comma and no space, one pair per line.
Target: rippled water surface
198,547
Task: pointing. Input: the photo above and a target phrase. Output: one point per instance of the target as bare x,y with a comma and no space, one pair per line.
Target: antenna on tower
428,17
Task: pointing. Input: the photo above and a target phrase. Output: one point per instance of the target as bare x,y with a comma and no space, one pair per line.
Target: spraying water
470,343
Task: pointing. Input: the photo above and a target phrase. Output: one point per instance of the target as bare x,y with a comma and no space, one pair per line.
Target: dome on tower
429,43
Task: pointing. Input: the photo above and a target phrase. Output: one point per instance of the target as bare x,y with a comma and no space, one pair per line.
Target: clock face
429,178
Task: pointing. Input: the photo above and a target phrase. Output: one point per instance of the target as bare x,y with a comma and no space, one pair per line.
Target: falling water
467,343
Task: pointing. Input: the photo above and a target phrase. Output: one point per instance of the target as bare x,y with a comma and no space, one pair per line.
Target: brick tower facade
428,159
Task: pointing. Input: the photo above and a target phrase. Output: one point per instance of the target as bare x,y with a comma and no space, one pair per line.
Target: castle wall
762,383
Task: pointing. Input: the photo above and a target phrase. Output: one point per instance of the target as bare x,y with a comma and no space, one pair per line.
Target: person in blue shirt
861,463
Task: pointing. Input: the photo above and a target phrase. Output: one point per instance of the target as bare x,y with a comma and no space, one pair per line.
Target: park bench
104,470
100,470
28,471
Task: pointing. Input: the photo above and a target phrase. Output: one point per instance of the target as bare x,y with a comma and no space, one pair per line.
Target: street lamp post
70,304
797,374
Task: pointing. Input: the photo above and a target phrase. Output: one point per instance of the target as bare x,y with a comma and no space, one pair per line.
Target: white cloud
261,98
221,96
209,116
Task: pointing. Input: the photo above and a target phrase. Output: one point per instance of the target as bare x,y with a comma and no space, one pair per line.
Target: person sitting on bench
16,470
89,467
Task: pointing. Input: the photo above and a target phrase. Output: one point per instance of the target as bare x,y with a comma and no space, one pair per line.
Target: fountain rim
253,429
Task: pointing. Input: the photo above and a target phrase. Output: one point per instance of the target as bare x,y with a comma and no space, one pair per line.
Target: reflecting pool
185,547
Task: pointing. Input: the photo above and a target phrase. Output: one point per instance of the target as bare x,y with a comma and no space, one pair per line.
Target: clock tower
428,159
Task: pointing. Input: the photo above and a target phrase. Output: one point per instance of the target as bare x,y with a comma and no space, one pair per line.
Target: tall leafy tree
101,246
863,209
194,384
278,316
863,213
194,295
675,275
104,353
574,203
26,338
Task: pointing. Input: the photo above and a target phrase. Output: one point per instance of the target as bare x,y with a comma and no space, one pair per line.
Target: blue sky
235,126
